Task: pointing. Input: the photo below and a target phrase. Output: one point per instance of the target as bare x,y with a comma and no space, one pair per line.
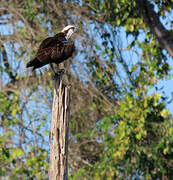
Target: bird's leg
53,71
59,71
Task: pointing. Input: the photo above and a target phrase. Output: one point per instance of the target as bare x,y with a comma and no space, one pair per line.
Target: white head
69,30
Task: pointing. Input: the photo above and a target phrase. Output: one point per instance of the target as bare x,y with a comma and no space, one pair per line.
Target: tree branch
6,63
151,18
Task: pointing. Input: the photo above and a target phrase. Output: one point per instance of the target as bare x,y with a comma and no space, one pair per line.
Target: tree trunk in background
59,131
151,18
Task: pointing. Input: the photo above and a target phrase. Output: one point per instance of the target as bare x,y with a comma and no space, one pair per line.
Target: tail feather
31,63
35,63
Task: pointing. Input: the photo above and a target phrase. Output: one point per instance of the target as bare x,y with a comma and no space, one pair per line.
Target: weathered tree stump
58,167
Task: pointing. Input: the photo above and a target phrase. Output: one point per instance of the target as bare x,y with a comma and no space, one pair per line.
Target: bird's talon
58,74
60,71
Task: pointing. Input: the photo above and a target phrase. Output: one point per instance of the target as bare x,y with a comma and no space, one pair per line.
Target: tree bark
58,169
151,18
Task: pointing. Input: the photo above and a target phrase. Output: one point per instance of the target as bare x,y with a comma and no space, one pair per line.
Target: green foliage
138,136
29,163
141,139
14,158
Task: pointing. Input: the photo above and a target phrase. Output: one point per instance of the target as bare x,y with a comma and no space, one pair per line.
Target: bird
54,49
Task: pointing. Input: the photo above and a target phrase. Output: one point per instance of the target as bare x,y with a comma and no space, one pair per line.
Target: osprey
54,49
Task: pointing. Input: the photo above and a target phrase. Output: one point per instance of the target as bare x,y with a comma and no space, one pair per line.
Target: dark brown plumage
53,50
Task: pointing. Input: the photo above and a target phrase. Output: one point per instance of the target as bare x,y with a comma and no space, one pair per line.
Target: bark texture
59,131
151,18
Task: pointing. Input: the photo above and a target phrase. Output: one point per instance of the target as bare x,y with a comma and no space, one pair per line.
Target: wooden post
58,167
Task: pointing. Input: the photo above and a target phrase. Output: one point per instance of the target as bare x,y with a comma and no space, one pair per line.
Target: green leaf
138,136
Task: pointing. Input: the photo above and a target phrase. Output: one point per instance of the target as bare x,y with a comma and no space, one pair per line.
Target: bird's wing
47,42
44,55
45,50
55,53
68,48
52,40
62,51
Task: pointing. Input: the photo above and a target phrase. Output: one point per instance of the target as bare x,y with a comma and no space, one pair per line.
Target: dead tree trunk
59,131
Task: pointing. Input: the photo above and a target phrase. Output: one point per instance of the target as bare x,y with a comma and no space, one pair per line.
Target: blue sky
129,55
